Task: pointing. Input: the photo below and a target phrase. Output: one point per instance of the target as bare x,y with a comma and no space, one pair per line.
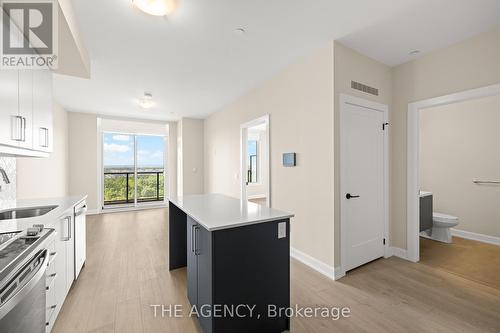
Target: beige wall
83,153
47,177
83,156
470,64
458,143
353,66
172,158
300,104
190,154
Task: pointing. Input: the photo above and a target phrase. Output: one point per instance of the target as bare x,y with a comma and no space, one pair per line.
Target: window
133,167
252,161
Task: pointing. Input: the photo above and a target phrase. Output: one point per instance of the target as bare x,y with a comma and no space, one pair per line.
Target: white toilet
441,225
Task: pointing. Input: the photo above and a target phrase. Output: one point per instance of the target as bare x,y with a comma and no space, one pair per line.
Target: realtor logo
29,34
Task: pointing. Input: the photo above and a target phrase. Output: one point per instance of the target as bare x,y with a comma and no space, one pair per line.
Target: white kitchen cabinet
26,122
10,122
59,269
70,251
80,237
42,111
64,261
26,108
51,278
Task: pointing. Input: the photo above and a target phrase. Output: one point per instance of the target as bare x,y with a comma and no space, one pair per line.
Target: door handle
349,196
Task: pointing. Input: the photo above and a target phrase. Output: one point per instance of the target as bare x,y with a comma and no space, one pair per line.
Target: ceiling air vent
364,88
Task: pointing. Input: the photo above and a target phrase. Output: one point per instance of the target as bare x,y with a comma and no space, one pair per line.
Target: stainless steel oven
22,297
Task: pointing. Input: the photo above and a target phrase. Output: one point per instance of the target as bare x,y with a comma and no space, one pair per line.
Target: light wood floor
126,272
469,259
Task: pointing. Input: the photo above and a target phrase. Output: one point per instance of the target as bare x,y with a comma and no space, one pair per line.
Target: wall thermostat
289,159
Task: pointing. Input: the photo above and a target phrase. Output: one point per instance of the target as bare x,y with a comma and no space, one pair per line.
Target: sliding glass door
150,169
133,170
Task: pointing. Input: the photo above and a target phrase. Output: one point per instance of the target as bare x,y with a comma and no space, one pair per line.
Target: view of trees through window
123,156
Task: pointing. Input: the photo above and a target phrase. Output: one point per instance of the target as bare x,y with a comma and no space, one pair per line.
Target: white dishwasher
80,236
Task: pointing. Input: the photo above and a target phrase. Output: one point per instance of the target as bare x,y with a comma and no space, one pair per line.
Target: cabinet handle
192,238
23,129
69,227
196,234
68,220
44,132
17,125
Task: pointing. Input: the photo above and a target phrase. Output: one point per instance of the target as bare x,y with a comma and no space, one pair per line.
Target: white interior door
363,184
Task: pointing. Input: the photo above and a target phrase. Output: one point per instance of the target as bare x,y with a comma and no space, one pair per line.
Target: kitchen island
238,261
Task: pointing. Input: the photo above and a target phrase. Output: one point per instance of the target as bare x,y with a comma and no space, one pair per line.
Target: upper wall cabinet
42,111
26,112
10,120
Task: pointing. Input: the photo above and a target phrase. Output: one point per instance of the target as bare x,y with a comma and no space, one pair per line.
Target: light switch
281,230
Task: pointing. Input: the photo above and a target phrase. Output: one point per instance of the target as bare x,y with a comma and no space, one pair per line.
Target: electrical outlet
281,230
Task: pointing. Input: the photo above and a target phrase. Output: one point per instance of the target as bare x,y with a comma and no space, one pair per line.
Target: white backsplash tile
8,192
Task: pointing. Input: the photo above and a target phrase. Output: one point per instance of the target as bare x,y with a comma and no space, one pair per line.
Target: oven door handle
26,288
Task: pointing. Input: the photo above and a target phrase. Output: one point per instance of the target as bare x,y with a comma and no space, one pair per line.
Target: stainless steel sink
22,213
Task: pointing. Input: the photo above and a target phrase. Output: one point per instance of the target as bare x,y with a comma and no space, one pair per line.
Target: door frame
100,172
413,162
243,148
376,107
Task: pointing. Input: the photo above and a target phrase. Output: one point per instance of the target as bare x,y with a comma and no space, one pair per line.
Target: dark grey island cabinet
238,262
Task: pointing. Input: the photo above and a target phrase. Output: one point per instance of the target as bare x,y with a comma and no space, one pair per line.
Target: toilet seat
444,218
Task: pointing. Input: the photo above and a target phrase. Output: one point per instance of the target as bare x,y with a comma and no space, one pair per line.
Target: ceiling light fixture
156,7
146,102
414,52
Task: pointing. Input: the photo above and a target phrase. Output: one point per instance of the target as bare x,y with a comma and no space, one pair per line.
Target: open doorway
478,179
255,171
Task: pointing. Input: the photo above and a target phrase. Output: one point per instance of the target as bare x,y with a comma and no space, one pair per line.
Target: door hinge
384,125
384,241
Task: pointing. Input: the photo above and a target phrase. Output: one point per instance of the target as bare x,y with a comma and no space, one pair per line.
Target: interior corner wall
471,64
299,102
83,178
47,177
351,65
190,156
172,158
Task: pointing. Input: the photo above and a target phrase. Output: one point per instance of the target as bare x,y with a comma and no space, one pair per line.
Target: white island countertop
63,204
217,211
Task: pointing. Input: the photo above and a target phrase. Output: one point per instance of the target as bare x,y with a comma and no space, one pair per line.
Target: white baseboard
399,252
315,264
477,237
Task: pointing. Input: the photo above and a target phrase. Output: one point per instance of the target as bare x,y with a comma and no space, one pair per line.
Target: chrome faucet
4,176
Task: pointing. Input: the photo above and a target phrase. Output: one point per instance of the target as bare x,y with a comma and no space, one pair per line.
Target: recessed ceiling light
240,31
146,102
156,7
414,52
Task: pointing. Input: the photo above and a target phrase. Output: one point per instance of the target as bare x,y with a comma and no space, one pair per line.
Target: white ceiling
424,26
194,63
